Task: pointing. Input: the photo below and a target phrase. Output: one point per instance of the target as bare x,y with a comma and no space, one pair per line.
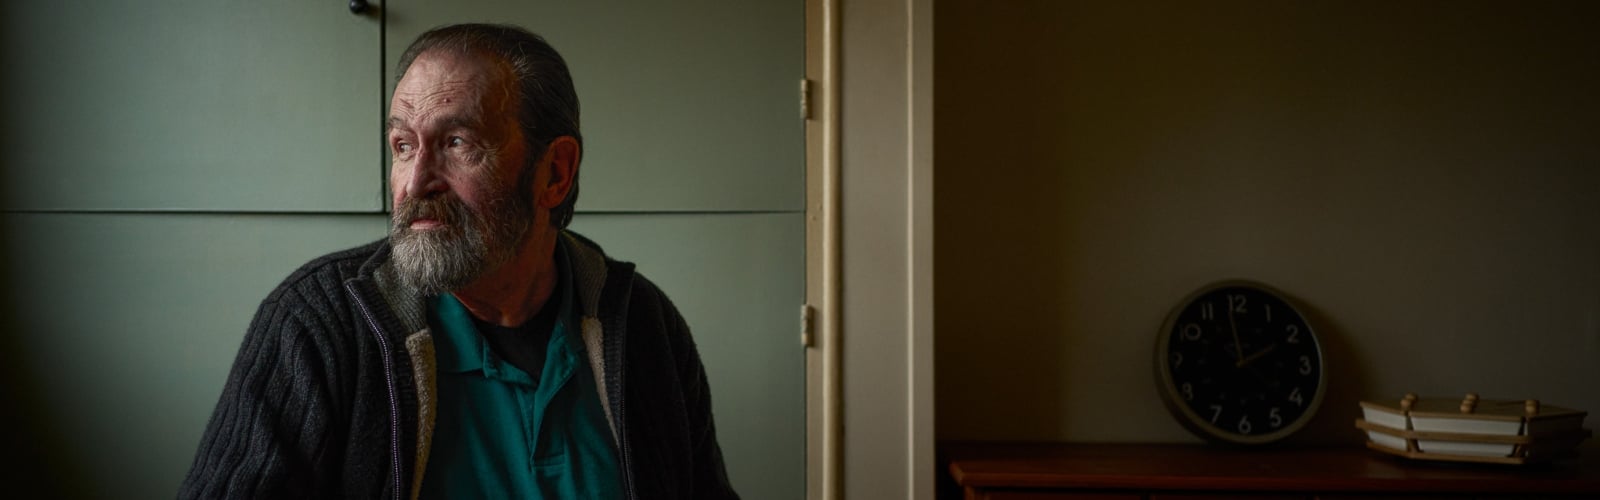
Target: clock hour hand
1252,357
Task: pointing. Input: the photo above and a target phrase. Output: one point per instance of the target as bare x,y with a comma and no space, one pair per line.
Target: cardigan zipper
388,375
622,420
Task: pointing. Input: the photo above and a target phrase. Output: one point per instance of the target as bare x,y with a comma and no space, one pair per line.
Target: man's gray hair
546,100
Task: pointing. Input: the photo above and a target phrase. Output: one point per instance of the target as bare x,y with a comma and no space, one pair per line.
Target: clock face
1237,363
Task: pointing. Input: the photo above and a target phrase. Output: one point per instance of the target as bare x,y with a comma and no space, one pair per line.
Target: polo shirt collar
459,347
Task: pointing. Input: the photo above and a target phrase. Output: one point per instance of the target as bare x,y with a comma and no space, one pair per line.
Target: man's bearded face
454,137
467,242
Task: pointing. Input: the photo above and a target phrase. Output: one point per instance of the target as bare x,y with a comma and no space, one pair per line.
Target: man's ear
562,156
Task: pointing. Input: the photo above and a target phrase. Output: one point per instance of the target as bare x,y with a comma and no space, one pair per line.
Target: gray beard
433,262
444,259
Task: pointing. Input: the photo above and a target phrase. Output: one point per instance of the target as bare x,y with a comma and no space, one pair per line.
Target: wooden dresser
990,471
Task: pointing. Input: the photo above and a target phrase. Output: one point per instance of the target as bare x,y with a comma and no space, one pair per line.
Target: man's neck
515,291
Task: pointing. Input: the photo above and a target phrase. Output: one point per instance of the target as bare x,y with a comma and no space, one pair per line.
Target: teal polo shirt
500,433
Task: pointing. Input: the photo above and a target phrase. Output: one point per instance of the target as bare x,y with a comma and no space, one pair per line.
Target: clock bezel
1197,424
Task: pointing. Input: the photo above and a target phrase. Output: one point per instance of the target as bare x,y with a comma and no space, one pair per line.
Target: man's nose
426,174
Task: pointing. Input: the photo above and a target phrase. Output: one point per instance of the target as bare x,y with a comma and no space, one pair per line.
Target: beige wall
1423,176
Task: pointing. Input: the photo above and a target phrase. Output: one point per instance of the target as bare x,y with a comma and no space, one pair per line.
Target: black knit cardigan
322,401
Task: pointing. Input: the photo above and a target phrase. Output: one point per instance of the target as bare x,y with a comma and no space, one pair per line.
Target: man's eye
402,147
457,141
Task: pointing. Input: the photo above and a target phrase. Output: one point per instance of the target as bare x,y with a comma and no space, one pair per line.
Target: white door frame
869,249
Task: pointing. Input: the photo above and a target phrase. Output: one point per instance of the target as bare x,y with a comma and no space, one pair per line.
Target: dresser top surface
1199,467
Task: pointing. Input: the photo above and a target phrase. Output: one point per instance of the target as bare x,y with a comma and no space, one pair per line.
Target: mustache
445,208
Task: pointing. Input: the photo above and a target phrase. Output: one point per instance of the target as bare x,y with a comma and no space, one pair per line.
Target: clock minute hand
1238,347
1252,357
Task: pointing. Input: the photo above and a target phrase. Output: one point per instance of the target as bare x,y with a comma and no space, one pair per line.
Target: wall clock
1237,363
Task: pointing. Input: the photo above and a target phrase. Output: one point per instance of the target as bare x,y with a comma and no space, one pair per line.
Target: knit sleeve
268,437
710,473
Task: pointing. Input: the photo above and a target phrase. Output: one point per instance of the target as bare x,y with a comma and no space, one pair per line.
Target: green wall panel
120,330
190,104
691,105
738,279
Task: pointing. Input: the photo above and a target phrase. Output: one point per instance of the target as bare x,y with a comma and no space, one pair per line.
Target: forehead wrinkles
426,98
457,88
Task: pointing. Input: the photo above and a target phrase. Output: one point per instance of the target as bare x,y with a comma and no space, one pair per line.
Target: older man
481,350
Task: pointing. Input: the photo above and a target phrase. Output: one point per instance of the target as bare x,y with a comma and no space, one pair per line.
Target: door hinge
807,325
805,99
